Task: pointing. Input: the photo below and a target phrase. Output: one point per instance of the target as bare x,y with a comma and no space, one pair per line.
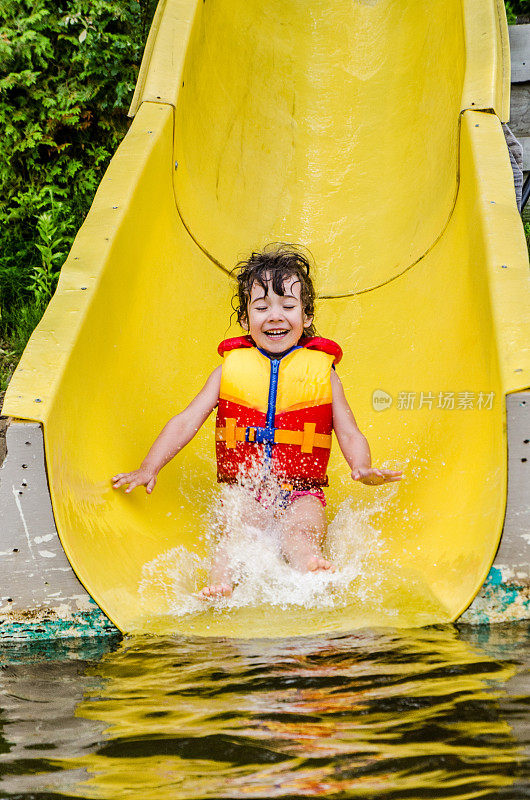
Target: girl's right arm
174,436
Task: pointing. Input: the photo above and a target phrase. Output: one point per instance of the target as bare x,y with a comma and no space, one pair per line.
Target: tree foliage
515,8
68,69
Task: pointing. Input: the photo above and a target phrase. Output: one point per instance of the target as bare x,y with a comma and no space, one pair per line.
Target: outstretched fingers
375,477
120,479
392,475
134,479
126,479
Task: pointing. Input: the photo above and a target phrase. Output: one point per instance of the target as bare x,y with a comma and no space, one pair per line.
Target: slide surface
370,132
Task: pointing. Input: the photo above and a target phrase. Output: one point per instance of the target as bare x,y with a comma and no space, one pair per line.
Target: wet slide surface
369,132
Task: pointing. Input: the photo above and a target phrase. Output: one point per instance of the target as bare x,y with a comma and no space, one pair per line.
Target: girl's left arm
353,443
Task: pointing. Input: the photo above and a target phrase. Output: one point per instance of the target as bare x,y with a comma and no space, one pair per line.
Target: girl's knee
310,530
306,511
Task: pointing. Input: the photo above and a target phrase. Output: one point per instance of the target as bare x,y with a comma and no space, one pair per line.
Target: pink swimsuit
286,496
316,492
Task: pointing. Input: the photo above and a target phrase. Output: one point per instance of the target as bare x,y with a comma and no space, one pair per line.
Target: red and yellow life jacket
274,415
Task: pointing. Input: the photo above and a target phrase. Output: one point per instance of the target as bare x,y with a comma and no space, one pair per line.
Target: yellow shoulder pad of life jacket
304,379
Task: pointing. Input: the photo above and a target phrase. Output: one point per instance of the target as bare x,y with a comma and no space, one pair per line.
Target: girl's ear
308,321
244,323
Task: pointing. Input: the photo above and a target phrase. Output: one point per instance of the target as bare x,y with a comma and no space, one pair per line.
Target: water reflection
41,684
437,712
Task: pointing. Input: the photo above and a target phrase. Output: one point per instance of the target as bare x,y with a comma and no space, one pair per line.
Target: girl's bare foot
213,592
316,563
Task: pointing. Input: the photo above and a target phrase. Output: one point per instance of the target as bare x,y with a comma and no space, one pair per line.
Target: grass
16,331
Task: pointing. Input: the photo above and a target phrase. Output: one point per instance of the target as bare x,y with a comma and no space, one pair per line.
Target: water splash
251,535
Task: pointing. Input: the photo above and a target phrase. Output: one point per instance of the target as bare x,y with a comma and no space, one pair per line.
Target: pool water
438,712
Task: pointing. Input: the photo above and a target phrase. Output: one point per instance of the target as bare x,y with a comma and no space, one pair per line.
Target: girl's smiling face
276,322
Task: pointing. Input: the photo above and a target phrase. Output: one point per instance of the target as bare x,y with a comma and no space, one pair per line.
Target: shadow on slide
370,132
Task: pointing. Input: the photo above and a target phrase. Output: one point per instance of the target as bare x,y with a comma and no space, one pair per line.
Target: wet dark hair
280,261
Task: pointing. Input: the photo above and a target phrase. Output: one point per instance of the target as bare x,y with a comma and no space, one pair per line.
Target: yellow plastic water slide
370,132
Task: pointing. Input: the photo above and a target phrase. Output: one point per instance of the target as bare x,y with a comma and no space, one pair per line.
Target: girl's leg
220,578
303,534
239,503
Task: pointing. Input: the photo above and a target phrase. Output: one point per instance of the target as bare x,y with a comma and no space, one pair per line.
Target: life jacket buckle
260,435
250,434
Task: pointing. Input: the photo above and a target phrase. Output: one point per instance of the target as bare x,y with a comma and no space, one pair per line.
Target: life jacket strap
307,439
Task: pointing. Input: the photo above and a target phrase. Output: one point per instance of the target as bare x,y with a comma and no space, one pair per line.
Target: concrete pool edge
505,594
41,596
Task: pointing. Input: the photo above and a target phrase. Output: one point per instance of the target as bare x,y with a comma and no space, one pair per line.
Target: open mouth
276,334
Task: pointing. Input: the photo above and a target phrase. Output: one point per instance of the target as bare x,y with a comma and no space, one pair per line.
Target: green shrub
515,7
68,71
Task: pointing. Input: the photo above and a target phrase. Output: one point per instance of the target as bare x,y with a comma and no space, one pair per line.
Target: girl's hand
375,477
140,477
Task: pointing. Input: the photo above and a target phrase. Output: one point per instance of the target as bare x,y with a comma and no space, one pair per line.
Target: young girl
278,398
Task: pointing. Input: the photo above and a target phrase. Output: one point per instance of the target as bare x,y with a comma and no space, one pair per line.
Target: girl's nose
275,314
